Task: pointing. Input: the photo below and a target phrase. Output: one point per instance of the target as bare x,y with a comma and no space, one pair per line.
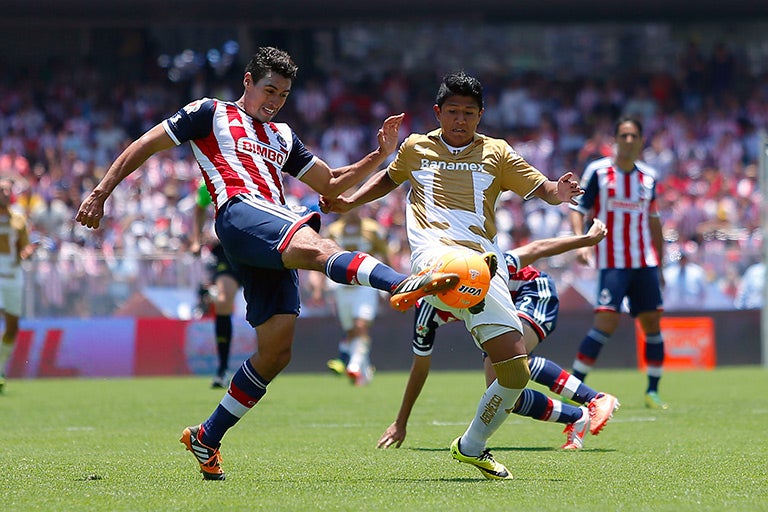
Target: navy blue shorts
254,233
640,286
537,303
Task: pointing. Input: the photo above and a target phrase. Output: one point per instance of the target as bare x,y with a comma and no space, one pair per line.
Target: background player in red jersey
242,154
621,191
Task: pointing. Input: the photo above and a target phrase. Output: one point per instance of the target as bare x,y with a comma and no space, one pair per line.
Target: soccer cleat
487,465
337,366
208,458
477,308
219,382
416,286
654,401
363,376
575,432
601,409
492,261
493,265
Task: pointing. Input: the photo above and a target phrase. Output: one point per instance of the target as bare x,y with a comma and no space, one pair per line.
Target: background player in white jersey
14,247
242,154
356,306
621,191
535,296
456,177
225,285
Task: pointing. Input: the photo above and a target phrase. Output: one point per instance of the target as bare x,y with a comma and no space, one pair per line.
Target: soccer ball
474,278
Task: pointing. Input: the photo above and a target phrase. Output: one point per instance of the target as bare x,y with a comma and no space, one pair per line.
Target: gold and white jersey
453,198
13,238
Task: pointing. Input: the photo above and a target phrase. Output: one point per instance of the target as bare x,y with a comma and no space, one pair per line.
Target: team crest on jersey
647,182
605,296
193,107
280,140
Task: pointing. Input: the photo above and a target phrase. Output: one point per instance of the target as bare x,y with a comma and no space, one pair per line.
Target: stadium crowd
60,129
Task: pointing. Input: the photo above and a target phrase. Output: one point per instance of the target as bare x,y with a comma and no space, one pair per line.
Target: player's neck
625,164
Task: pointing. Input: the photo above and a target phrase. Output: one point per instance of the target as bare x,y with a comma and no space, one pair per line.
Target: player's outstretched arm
395,433
378,186
538,249
92,209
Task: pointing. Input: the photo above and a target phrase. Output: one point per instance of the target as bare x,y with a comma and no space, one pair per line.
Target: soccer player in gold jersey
456,177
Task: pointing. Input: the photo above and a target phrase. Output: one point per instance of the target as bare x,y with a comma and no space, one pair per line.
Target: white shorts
10,295
499,314
355,302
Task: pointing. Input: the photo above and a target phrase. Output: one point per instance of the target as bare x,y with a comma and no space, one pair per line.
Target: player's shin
497,403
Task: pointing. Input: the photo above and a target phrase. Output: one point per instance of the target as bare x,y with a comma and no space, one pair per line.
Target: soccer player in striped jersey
456,177
242,154
535,297
621,192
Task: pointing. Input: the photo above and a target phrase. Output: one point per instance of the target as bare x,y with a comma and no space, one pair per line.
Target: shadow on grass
518,449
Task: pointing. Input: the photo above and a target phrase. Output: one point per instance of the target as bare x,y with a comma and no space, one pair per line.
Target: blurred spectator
703,125
52,216
685,282
659,154
750,292
693,71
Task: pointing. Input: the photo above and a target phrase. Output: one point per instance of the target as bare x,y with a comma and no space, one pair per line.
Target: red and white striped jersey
518,277
624,201
236,153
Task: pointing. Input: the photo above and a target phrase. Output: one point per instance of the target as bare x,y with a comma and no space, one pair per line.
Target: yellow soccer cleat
654,401
337,366
487,465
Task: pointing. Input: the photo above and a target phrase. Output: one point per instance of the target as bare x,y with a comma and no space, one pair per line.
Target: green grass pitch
310,445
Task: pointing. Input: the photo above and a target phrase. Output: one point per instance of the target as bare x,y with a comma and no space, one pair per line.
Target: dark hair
628,119
268,59
460,84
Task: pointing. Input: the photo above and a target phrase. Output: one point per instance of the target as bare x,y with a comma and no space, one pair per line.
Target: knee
275,360
606,322
650,322
309,252
513,373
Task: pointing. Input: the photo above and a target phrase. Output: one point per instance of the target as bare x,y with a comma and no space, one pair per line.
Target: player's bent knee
513,373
